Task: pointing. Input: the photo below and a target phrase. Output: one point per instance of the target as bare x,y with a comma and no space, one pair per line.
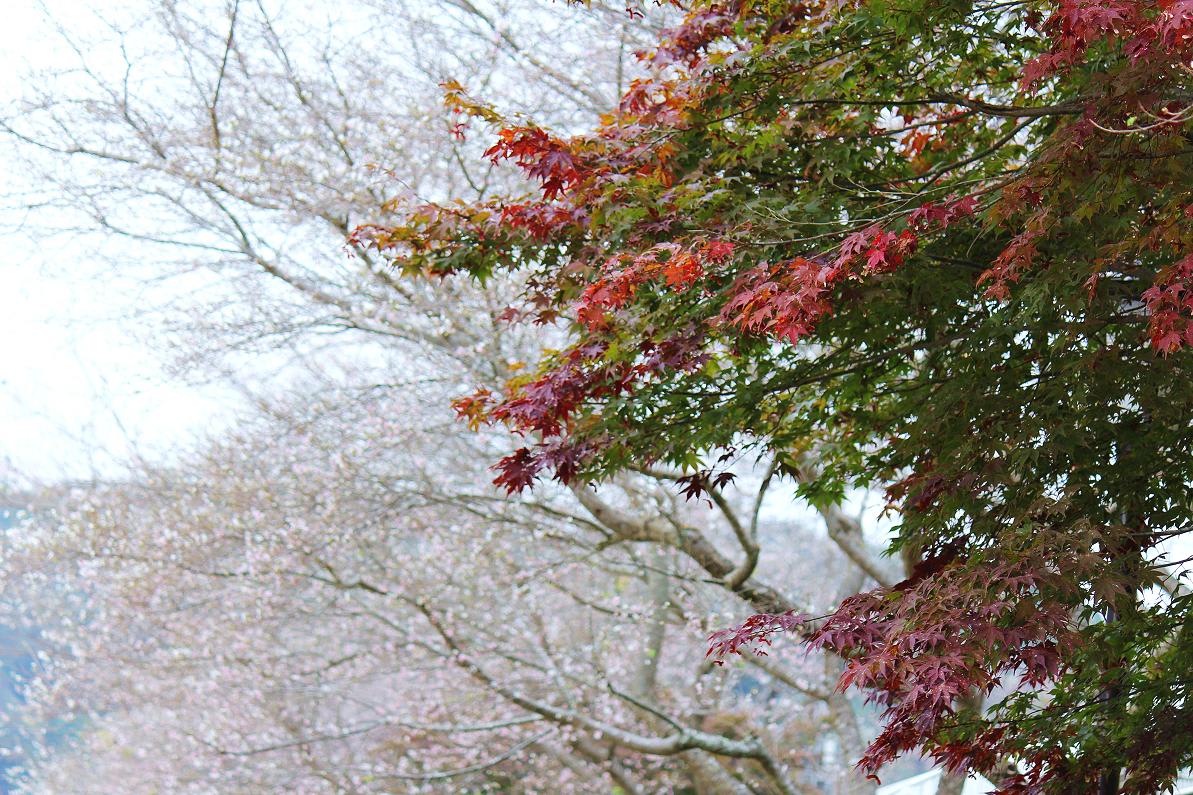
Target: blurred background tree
327,594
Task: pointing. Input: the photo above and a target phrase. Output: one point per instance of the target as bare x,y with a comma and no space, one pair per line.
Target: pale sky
77,392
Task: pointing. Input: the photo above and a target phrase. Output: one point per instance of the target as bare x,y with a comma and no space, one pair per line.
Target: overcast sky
77,391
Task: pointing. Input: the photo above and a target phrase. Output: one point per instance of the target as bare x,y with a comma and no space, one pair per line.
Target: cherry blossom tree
332,597
329,600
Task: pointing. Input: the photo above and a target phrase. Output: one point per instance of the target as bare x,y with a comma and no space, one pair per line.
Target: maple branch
746,537
1011,111
844,530
688,540
771,471
1170,581
747,540
928,176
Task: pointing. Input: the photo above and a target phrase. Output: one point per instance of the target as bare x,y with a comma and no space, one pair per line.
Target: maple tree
938,248
279,607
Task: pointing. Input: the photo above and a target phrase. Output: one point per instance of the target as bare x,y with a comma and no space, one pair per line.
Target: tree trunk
950,784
